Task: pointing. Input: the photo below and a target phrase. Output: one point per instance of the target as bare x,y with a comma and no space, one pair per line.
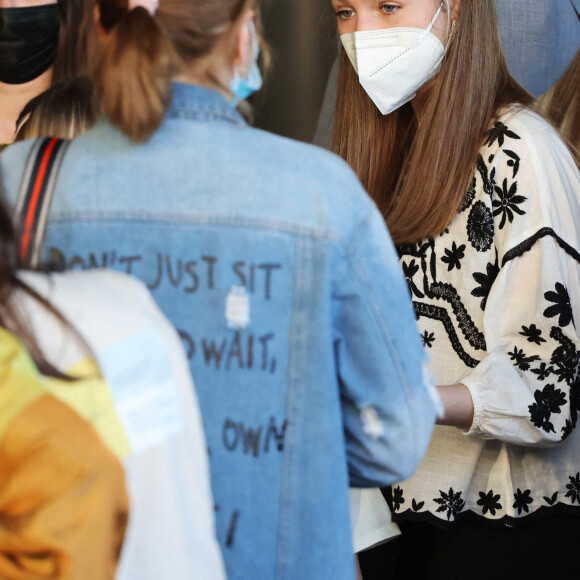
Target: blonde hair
561,105
141,54
66,111
418,169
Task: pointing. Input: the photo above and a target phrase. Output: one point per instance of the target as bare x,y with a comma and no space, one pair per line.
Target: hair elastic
149,5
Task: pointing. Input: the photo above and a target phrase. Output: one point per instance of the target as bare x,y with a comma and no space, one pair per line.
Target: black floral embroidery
480,227
543,371
549,400
514,161
574,401
574,489
551,500
428,339
530,242
417,250
540,418
523,500
441,315
469,196
565,358
522,361
409,271
567,429
470,331
489,502
450,502
417,507
508,202
553,399
561,307
454,256
485,281
398,498
499,133
487,177
533,334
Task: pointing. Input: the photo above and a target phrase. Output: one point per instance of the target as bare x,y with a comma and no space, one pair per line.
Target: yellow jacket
63,505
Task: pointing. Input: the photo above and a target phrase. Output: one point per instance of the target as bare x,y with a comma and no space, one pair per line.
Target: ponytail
133,72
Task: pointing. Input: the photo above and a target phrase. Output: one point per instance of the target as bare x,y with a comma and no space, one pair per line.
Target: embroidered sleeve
526,390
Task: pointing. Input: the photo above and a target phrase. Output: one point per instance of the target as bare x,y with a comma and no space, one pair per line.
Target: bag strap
35,196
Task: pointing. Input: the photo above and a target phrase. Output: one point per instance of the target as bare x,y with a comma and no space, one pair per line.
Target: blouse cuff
477,423
501,401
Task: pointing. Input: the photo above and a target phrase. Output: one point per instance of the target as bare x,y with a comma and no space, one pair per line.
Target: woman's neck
211,71
13,98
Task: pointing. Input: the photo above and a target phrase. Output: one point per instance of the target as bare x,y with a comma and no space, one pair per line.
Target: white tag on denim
238,308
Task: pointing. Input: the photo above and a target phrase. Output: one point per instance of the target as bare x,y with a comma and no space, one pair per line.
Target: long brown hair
10,283
418,169
562,106
141,54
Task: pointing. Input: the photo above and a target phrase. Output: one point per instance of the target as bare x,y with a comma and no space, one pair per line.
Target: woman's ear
243,45
455,6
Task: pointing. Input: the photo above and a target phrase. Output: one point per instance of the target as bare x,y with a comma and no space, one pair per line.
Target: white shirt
146,411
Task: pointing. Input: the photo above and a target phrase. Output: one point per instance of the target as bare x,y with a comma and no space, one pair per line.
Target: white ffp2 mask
393,63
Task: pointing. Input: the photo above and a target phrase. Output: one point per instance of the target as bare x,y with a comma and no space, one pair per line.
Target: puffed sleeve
526,390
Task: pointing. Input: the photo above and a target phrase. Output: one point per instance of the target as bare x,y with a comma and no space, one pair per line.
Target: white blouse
497,300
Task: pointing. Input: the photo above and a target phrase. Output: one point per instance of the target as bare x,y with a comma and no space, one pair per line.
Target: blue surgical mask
244,86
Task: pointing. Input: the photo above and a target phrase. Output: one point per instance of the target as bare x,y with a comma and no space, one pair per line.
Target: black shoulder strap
35,196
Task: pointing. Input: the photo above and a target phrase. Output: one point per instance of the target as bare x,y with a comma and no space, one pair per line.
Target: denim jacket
279,273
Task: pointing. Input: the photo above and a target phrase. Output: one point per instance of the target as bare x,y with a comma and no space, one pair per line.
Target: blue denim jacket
279,273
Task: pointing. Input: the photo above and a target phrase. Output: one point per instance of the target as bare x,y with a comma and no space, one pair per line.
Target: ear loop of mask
242,86
432,24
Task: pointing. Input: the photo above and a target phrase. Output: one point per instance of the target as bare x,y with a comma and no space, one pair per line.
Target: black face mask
28,41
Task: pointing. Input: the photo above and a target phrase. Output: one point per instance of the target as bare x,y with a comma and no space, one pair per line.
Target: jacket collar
194,101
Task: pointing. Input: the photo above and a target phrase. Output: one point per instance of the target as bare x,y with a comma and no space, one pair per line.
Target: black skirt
546,548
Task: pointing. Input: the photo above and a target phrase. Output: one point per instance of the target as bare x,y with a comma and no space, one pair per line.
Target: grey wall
302,37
